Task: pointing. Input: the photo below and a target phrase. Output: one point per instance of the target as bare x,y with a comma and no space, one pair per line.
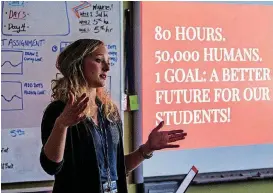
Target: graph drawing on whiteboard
11,96
12,62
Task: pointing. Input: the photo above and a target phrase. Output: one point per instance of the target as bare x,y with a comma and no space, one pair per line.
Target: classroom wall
246,187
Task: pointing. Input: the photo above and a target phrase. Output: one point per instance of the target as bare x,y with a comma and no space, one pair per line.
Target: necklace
104,141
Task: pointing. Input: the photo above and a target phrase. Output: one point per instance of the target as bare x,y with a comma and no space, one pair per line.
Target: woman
82,130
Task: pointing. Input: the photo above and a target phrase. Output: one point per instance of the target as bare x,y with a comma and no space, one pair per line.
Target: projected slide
11,96
212,78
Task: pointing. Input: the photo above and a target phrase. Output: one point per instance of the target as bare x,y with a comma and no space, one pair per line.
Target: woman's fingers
83,97
173,139
74,111
81,118
171,146
81,108
177,135
71,98
159,126
77,105
175,131
83,102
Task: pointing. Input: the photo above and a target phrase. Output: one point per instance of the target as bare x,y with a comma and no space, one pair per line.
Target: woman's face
96,66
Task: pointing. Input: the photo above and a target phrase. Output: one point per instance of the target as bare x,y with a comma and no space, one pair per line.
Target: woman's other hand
73,111
162,139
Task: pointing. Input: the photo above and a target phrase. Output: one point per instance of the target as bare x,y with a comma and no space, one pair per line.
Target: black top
79,171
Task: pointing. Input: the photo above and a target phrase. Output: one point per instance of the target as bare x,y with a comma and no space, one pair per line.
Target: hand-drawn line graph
12,62
108,85
11,96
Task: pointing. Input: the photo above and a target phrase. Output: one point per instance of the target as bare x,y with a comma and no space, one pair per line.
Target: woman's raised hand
73,111
163,139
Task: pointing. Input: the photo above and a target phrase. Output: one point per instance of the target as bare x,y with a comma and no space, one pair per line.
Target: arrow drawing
76,9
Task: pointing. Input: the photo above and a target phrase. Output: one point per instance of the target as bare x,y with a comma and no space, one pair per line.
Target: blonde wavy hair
70,65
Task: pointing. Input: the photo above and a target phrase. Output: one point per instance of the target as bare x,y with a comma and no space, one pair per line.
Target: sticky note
133,101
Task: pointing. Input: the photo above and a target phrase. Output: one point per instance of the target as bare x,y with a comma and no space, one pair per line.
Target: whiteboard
32,37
